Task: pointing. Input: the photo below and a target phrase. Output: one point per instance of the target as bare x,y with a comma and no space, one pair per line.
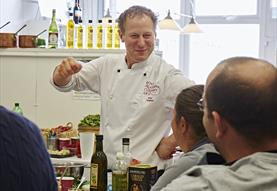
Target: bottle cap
125,141
90,21
99,137
16,104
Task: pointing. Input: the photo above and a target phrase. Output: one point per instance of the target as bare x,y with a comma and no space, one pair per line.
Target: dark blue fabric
24,161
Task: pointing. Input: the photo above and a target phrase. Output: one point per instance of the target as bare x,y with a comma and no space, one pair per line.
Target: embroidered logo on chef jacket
151,90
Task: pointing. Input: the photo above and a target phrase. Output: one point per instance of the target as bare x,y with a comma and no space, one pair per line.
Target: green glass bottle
98,167
53,33
17,109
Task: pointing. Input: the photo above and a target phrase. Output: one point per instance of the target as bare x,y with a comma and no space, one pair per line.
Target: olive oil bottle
53,32
98,167
80,34
116,36
70,32
90,34
99,34
109,33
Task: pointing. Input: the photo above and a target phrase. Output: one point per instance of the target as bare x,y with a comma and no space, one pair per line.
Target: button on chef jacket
136,103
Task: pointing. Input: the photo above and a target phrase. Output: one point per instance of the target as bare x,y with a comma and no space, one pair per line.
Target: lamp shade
192,27
168,23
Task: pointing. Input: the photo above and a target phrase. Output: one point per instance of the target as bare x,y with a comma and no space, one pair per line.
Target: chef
137,90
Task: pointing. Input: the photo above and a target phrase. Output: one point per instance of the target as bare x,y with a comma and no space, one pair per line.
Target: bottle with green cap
17,109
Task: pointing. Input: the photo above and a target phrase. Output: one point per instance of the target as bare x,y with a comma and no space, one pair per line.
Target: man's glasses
200,104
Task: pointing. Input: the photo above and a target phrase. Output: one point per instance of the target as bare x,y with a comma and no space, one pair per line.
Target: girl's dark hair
186,106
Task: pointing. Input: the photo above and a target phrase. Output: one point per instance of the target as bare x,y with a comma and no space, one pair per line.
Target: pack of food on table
62,141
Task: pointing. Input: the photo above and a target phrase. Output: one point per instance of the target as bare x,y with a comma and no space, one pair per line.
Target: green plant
90,120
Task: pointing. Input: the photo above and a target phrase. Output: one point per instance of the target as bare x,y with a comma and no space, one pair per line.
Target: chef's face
139,38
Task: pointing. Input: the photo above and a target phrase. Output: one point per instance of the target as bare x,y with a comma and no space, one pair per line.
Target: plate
60,156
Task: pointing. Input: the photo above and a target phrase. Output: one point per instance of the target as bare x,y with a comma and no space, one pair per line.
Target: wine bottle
17,109
53,32
90,34
80,35
116,36
109,35
98,168
99,34
76,12
70,32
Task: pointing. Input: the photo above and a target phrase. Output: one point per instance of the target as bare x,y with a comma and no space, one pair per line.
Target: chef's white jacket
136,103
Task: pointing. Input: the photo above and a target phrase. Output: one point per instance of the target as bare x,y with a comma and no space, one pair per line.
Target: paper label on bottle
94,175
53,38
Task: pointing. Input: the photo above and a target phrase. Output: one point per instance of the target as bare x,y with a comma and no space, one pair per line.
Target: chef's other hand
166,147
64,71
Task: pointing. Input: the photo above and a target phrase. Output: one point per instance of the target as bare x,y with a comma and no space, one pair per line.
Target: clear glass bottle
119,173
70,32
89,34
126,150
53,33
116,36
99,34
17,109
80,35
109,34
98,167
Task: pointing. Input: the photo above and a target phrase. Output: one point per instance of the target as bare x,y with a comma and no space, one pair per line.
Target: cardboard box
142,177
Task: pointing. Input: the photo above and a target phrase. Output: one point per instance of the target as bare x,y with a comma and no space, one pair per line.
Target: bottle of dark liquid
98,169
76,13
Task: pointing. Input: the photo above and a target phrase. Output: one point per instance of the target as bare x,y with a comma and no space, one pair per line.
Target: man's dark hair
186,106
136,11
247,102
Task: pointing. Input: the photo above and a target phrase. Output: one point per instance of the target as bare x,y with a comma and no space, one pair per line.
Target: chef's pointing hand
64,71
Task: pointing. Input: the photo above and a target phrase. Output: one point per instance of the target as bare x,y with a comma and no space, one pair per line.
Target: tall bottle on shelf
53,32
116,36
17,109
109,34
76,12
70,32
80,35
99,34
98,167
89,34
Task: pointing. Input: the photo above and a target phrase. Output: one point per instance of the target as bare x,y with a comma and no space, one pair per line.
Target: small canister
52,143
75,143
64,143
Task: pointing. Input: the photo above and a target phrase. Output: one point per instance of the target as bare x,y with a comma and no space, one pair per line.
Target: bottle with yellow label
109,34
99,34
90,34
98,167
116,36
80,35
70,32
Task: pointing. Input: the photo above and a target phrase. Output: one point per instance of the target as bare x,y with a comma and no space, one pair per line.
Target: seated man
24,160
190,136
240,102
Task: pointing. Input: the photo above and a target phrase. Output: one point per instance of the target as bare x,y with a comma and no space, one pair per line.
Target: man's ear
220,126
121,36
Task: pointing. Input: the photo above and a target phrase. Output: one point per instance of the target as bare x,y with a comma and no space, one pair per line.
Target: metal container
74,169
